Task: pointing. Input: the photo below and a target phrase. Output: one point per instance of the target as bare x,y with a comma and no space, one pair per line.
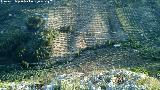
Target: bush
150,82
150,53
111,42
34,23
38,48
140,70
25,47
135,44
4,15
10,40
66,29
24,64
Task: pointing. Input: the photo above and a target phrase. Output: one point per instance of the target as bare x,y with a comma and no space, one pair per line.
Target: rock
10,15
117,45
49,87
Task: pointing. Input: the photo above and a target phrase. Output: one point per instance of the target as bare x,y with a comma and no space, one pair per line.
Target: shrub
24,64
150,82
66,29
140,70
10,40
110,42
34,23
150,53
135,44
38,48
4,9
29,46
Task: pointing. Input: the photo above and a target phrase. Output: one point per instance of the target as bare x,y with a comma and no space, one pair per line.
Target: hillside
79,36
93,22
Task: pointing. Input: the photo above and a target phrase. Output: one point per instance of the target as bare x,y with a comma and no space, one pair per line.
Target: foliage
135,44
34,23
150,83
4,15
150,53
38,48
10,40
25,64
66,29
21,46
111,42
140,70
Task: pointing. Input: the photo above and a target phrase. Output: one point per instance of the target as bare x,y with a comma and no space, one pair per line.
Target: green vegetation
66,29
34,23
140,70
21,46
38,48
10,40
150,53
152,83
27,47
4,13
